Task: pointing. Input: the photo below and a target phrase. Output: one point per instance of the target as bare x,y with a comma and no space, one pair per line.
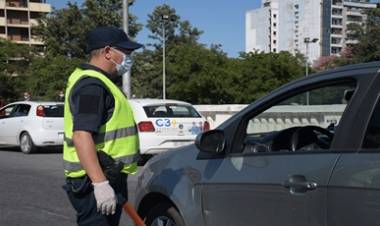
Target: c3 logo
163,122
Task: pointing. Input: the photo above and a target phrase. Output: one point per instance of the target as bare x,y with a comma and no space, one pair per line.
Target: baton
133,214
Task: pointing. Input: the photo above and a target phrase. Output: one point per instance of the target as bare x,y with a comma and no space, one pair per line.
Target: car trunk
174,120
52,117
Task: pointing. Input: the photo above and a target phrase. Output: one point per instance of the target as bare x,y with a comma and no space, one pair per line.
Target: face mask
125,64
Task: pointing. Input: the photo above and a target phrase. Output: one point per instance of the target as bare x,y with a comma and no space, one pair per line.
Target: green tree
368,47
64,30
259,73
14,59
48,75
176,31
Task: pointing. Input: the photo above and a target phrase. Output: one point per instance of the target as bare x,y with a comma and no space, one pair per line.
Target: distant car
269,169
31,124
166,124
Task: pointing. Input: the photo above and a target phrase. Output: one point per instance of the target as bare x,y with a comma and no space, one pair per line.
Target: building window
2,30
274,24
274,41
274,33
274,50
296,6
2,13
274,15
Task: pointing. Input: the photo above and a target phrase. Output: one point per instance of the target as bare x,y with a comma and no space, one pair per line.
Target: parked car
31,124
300,175
165,124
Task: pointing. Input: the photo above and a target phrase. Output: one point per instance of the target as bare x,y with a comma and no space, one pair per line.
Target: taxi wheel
164,214
26,144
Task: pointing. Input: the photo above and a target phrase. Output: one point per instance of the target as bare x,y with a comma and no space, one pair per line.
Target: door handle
298,184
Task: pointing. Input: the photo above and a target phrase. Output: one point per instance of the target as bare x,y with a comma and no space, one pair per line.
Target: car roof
36,102
151,101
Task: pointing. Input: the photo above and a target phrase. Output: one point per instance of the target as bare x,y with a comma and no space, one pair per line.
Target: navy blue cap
109,36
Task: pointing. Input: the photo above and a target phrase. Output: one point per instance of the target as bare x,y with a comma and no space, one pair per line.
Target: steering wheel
309,135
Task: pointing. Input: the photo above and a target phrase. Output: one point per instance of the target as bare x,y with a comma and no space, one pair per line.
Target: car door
6,118
354,188
264,181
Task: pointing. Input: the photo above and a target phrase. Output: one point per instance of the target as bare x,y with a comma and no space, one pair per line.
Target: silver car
311,166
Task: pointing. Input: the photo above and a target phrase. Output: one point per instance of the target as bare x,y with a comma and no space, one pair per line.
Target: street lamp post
307,41
164,18
127,75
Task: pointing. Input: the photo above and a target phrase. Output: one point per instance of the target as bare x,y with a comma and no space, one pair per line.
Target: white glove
105,197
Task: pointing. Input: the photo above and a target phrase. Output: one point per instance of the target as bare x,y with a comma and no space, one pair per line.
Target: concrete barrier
276,118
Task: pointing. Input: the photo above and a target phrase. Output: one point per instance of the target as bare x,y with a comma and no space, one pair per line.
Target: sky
222,21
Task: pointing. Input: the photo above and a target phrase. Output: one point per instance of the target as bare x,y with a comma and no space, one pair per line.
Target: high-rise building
337,15
18,17
312,27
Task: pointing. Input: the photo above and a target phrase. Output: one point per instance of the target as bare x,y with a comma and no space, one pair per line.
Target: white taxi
31,124
166,124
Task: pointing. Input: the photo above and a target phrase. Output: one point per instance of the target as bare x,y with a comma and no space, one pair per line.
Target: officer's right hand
105,197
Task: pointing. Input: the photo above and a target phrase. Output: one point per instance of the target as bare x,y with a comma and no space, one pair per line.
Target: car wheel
164,214
26,144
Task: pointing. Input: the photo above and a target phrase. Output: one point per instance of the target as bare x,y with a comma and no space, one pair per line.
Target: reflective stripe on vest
107,136
76,166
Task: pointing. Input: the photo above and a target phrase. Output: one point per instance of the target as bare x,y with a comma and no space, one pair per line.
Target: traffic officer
98,118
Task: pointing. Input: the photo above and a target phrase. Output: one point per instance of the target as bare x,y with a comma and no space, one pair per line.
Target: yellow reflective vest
117,137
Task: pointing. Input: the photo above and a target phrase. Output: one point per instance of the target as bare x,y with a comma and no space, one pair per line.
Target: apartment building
336,18
312,27
18,17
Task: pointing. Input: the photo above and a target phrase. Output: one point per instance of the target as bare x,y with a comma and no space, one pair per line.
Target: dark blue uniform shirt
91,102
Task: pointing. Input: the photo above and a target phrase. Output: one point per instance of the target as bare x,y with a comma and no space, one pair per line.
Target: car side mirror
212,141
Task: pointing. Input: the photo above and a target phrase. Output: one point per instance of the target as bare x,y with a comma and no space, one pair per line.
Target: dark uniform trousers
81,196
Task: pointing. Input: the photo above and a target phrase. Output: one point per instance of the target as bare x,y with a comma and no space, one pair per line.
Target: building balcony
39,7
337,16
336,25
2,4
17,22
17,5
354,13
3,36
339,45
36,41
337,35
337,6
2,21
33,22
351,42
18,38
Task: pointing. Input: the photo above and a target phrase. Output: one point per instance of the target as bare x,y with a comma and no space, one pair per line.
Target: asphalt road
31,190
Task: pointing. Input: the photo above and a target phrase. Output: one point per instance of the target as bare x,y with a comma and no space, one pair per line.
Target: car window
21,110
8,112
54,111
306,121
372,135
171,111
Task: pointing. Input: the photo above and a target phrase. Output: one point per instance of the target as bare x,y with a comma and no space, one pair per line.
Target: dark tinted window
171,111
22,110
53,111
372,136
8,111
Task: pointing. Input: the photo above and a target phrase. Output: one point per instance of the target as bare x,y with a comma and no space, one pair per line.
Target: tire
164,214
26,144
